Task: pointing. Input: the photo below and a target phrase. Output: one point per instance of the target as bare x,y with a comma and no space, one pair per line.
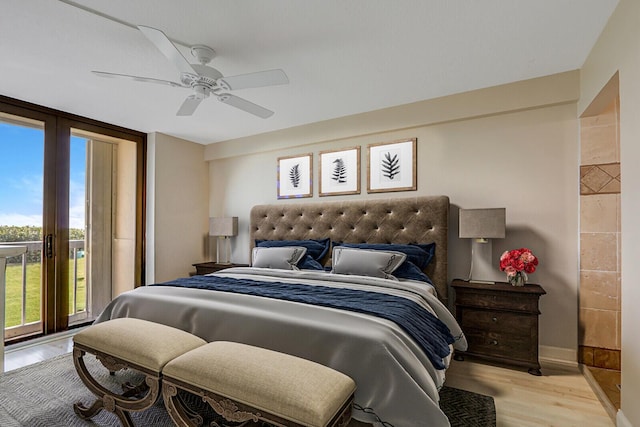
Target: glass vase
519,279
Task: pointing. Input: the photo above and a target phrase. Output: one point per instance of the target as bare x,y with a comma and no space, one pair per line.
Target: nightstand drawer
497,321
500,345
498,300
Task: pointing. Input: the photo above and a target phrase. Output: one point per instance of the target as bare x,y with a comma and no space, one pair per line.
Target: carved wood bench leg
179,413
122,404
86,412
235,414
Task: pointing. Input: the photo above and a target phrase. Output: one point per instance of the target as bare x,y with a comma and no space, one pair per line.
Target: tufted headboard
405,220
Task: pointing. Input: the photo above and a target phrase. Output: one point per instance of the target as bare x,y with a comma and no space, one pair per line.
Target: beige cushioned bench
243,382
128,343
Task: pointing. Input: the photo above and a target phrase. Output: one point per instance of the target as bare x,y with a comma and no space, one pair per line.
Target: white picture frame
295,176
340,172
391,166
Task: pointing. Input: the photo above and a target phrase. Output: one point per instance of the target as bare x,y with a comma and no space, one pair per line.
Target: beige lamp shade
482,223
226,226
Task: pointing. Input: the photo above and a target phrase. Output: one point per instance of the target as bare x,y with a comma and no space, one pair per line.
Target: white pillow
365,262
284,257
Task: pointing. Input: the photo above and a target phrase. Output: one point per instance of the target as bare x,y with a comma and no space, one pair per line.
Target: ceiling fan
205,80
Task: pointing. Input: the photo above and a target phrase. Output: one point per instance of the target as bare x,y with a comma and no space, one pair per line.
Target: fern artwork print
294,176
392,166
340,172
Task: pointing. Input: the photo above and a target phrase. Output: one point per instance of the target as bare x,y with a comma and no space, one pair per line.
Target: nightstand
211,267
500,322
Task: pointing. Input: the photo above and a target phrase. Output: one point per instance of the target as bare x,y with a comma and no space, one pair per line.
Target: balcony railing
33,258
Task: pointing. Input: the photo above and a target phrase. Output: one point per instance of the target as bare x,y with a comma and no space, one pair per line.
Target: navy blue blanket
428,331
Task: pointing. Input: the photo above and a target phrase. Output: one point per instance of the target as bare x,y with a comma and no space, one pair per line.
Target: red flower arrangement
517,263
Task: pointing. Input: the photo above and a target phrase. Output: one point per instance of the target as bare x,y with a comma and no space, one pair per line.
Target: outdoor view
21,214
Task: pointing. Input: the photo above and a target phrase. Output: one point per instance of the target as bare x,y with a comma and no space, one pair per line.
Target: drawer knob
494,342
494,319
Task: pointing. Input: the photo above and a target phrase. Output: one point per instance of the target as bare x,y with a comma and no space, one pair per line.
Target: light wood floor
560,397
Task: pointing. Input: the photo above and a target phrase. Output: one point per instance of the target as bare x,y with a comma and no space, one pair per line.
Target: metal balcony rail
76,251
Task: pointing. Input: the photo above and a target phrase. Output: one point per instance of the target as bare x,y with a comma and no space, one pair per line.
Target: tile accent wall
600,317
600,179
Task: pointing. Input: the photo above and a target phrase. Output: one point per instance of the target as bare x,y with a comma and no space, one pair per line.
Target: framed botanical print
392,166
340,172
294,179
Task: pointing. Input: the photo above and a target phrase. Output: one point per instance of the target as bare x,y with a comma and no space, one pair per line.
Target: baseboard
558,356
621,420
600,394
41,340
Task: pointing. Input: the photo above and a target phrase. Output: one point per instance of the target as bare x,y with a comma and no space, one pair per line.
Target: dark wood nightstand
211,267
500,322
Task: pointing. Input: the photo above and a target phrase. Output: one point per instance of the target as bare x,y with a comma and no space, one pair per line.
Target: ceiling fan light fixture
201,91
204,54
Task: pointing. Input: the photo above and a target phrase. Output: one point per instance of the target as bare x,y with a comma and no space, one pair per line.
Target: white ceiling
342,57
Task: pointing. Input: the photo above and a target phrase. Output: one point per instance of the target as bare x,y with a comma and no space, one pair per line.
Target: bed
398,366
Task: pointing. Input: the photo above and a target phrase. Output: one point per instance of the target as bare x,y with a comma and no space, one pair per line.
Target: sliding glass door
62,181
22,142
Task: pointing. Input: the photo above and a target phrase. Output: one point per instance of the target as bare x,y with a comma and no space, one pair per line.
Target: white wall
514,146
618,49
177,209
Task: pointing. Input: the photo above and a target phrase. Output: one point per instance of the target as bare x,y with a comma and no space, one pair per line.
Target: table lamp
223,228
482,225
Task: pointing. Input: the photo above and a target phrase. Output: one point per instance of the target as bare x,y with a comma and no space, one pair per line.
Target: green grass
13,297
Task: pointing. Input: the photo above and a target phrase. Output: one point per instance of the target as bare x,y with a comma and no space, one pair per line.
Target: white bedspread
394,377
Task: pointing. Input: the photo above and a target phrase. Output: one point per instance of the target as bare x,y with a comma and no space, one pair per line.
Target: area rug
42,395
467,409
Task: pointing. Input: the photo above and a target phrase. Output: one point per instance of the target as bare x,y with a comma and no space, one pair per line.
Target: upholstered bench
128,343
246,383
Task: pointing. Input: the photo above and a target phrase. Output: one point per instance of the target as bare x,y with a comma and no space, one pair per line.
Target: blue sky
21,176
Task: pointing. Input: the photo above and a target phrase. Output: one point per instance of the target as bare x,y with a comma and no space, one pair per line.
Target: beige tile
612,169
584,190
585,170
599,290
606,358
599,213
618,207
619,284
585,355
598,328
618,329
606,118
598,251
608,379
598,144
619,244
612,187
595,179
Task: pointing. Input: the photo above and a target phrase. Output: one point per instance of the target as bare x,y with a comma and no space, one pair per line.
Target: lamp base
223,251
481,262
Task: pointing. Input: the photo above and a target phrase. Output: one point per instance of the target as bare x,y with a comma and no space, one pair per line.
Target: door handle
48,246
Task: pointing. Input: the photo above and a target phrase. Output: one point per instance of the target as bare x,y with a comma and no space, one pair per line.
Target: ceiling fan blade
168,49
189,105
245,105
258,79
137,78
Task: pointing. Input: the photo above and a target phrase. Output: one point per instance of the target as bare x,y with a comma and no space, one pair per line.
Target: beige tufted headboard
405,220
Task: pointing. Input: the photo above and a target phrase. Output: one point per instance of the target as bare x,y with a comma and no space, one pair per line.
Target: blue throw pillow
317,249
409,270
418,254
308,263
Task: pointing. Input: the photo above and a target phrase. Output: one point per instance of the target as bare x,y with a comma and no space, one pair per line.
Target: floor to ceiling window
71,192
